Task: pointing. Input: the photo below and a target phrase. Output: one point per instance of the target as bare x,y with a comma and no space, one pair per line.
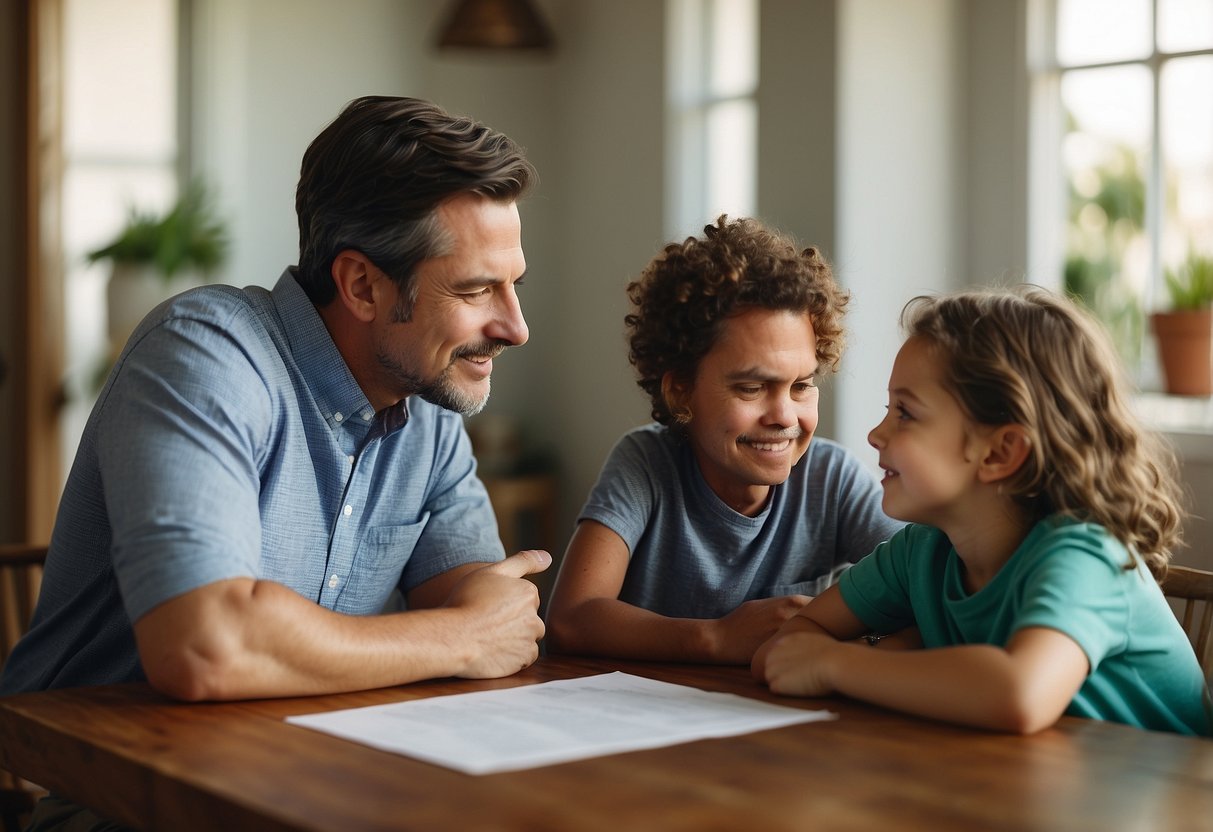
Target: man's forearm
243,639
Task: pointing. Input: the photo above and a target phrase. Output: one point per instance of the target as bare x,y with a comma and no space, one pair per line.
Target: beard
442,389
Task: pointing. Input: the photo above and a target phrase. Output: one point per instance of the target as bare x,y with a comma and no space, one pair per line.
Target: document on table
553,722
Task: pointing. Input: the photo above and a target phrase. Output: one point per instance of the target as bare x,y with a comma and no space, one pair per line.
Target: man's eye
749,389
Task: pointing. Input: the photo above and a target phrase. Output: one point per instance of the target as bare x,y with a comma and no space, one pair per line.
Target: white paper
552,722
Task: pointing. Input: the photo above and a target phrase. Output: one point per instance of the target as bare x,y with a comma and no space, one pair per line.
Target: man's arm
243,638
1023,687
586,616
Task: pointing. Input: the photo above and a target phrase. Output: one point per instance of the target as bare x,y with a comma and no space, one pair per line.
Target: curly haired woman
710,528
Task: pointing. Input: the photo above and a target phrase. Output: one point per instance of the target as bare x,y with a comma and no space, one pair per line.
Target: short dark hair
373,179
682,299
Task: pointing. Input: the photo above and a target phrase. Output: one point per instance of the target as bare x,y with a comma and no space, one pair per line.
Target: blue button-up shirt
231,440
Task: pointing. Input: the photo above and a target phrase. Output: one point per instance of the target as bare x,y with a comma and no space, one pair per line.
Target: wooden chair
1192,590
20,579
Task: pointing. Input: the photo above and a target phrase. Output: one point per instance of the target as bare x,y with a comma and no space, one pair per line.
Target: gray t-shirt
694,557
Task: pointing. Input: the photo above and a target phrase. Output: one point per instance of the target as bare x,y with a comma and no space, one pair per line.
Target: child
1041,514
709,528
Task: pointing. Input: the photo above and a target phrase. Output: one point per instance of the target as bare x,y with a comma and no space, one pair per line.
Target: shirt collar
325,372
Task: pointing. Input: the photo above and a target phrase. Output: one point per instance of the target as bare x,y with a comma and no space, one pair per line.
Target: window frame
691,101
1047,180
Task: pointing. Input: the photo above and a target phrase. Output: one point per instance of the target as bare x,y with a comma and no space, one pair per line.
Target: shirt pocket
381,559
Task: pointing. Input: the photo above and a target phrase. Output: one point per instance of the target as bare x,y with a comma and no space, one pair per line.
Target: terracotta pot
1185,349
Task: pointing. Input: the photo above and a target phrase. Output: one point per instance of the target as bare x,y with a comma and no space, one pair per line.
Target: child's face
924,442
754,404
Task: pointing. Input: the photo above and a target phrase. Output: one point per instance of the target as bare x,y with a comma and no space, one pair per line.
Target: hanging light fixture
495,24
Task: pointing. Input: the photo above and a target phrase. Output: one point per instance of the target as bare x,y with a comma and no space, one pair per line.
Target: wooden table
153,763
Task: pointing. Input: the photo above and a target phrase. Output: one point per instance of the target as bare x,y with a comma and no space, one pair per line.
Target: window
713,81
1123,141
120,150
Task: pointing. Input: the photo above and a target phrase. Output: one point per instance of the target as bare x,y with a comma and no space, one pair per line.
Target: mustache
480,349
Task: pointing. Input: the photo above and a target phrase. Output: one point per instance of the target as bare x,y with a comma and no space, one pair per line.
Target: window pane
733,60
1095,31
120,78
1187,153
1105,154
1185,25
732,160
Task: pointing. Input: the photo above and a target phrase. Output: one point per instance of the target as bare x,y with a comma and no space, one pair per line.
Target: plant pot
1185,350
134,289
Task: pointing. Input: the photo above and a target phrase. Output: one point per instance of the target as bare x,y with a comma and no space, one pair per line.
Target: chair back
20,579
1192,591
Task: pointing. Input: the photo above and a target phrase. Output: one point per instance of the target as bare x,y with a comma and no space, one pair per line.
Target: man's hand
741,632
797,664
503,625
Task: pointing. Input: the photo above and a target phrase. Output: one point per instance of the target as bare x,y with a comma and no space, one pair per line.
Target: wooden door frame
38,378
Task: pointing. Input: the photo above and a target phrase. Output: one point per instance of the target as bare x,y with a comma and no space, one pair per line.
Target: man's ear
1006,450
355,276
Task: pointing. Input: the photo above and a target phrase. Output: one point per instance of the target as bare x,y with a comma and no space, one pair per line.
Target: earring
681,414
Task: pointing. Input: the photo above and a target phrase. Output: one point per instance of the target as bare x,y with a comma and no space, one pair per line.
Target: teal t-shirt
1067,576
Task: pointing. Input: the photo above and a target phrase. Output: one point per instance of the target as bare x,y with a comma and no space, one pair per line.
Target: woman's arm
586,616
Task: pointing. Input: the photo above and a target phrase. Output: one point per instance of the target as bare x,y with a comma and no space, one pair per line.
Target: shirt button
351,459
366,415
337,417
347,511
333,581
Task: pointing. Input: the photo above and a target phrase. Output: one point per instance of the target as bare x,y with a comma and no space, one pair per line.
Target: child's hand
798,664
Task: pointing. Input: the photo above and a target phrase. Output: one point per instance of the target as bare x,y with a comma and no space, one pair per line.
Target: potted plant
1185,333
155,257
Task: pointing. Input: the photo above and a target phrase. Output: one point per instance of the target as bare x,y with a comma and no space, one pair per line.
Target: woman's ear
1006,450
676,395
355,276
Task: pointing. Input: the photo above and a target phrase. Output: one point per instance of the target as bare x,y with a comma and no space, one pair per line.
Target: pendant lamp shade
495,24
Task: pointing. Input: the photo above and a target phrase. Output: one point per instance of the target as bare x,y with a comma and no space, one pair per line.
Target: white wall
268,76
797,100
870,116
900,182
862,127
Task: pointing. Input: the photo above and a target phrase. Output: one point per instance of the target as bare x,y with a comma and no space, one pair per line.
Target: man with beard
264,468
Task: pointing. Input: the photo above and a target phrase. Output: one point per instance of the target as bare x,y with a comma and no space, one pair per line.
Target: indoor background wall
892,135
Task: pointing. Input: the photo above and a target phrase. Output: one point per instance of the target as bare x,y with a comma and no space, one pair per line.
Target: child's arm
1022,688
586,616
826,614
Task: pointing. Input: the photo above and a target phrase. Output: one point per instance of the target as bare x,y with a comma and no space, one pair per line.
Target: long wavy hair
683,297
1029,357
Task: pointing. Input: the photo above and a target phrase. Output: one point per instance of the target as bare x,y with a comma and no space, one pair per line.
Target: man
709,529
263,468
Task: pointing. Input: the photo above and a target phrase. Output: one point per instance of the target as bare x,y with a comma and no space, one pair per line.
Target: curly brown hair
1029,357
684,296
